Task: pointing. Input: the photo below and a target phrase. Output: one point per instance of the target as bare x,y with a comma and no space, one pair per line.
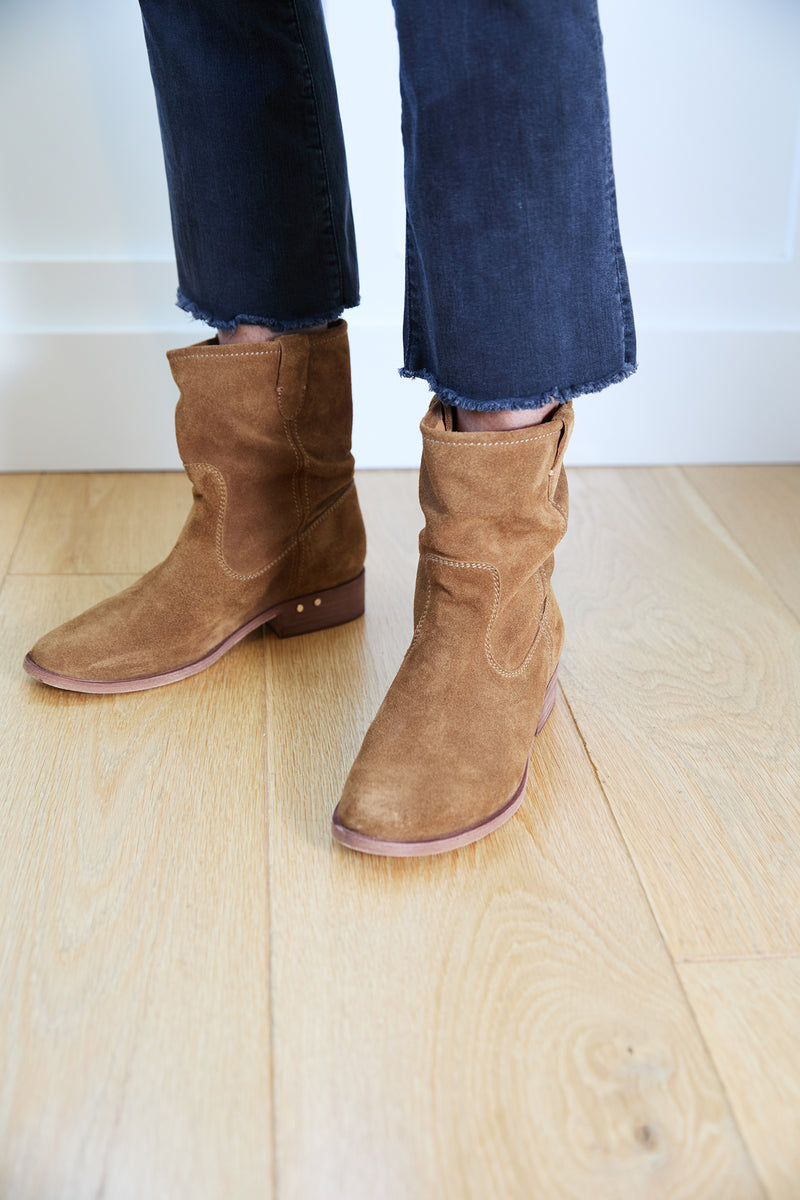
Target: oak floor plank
761,508
102,523
503,1021
134,1016
749,1012
16,495
682,669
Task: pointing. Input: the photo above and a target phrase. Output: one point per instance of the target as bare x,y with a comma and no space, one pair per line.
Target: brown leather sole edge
451,841
303,614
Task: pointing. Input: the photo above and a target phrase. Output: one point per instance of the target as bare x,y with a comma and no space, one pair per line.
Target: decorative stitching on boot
493,663
298,459
293,434
296,540
279,390
421,621
547,634
301,561
426,437
293,438
546,628
224,357
303,457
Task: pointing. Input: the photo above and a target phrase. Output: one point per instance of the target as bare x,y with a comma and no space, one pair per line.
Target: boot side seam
492,661
300,452
293,544
559,508
546,621
291,432
295,431
300,478
323,516
552,484
299,461
423,615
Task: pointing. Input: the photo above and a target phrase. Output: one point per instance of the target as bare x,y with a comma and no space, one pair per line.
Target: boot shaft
264,433
498,499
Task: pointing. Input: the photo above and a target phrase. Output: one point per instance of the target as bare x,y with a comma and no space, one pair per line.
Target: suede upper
264,434
449,745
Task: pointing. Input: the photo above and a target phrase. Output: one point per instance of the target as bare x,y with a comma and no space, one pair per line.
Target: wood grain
750,1015
202,995
134,1022
682,669
104,524
761,508
503,1021
16,494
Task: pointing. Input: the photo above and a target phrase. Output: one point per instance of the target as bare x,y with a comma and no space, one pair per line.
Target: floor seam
722,958
22,527
745,1145
742,549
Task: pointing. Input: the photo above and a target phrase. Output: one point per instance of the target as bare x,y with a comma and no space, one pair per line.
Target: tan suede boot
445,761
274,535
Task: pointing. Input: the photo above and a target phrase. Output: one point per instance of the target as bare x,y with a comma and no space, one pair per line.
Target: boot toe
413,816
109,643
63,654
60,652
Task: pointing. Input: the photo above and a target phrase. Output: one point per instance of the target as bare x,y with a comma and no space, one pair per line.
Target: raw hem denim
516,286
278,324
560,393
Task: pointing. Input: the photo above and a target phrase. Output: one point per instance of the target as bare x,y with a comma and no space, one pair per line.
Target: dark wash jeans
516,287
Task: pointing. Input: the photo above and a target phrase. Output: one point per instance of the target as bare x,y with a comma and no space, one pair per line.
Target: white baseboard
699,396
105,401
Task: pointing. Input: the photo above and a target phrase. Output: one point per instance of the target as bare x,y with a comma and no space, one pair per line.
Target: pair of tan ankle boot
275,536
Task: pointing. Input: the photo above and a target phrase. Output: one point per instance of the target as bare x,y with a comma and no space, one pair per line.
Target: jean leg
255,160
516,287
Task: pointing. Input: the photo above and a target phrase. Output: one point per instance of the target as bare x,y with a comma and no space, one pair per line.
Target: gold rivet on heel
317,602
300,607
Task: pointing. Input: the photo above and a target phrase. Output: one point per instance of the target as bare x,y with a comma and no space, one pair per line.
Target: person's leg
516,301
265,251
516,282
255,161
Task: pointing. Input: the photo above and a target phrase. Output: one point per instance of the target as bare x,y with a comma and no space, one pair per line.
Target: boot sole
303,614
462,837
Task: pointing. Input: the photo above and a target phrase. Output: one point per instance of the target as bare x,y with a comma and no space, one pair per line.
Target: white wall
705,101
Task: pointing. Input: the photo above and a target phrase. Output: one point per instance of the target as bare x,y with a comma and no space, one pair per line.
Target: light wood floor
204,998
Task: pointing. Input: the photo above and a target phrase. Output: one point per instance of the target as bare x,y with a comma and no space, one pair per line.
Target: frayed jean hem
273,323
561,394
